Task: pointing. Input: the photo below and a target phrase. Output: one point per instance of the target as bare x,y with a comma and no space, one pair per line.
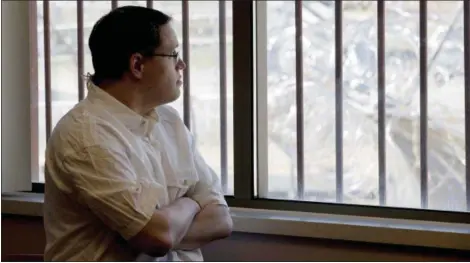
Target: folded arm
212,223
166,228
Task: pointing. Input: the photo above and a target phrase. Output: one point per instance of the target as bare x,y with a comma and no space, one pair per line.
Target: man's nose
180,65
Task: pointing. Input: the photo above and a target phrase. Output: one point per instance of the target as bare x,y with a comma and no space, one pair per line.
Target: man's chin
173,97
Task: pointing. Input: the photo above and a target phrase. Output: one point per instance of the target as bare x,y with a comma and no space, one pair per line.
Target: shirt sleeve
105,181
208,189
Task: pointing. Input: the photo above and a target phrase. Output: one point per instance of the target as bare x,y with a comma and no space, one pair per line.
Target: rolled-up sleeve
208,189
106,182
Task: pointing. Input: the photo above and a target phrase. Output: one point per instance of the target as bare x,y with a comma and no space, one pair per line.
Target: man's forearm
211,223
167,227
180,217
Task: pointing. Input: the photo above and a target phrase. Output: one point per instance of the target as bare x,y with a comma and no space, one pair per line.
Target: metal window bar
299,98
114,4
260,99
466,37
47,67
186,72
381,100
150,3
223,94
80,51
339,98
423,101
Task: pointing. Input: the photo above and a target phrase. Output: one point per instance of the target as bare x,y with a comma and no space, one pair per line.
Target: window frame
246,129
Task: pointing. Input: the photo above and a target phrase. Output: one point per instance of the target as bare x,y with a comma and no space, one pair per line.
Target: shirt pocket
180,183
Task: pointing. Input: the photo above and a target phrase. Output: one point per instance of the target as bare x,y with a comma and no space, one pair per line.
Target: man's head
135,48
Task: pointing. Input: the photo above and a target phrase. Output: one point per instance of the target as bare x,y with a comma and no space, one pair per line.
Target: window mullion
243,99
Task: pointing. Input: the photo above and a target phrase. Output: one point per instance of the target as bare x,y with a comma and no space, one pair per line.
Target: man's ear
136,65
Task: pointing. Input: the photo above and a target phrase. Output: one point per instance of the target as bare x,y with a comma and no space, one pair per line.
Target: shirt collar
135,122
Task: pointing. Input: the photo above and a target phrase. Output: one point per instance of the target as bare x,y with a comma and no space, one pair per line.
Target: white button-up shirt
107,170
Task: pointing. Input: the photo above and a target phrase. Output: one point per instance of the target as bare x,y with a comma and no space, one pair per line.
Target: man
124,180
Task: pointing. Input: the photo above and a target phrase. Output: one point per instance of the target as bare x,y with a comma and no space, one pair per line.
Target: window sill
300,224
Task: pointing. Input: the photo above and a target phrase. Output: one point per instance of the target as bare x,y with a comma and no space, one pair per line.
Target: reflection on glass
446,126
446,178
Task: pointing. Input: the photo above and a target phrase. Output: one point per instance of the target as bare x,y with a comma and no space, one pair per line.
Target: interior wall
25,235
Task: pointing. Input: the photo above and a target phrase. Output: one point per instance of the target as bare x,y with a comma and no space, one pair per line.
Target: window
354,107
302,145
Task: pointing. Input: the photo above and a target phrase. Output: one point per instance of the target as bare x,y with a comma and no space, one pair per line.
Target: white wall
15,97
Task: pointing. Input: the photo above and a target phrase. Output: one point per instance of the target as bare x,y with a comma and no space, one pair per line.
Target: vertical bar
260,60
34,101
149,3
80,51
423,101
114,4
339,98
47,67
186,82
223,93
381,100
243,110
299,98
466,39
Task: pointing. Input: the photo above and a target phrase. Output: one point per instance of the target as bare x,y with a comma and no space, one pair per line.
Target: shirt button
155,143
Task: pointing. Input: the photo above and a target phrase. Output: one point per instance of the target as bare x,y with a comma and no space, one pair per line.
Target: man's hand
213,222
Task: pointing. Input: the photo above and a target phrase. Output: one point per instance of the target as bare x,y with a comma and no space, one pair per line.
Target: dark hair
119,34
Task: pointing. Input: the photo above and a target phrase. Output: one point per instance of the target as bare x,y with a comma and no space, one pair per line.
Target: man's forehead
168,37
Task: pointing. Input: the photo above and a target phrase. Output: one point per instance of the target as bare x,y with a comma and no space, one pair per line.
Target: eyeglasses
175,55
